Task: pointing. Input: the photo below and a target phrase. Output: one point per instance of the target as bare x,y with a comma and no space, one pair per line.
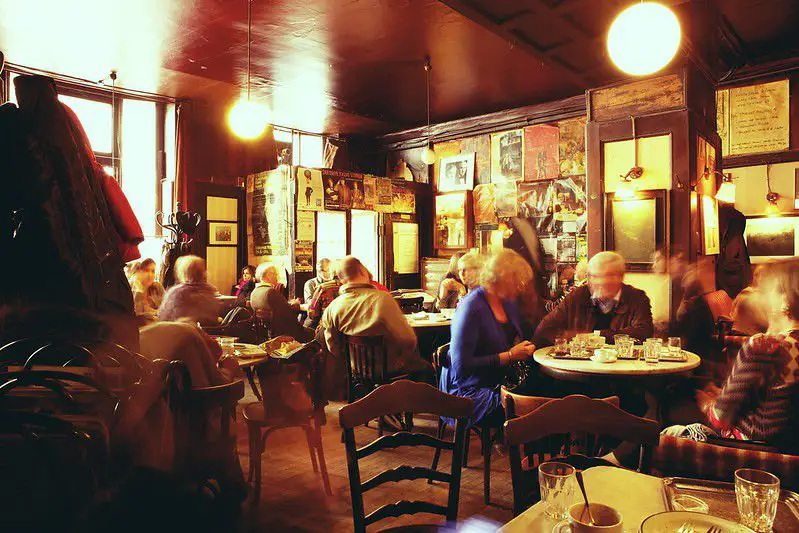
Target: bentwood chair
367,369
274,413
574,424
482,430
404,396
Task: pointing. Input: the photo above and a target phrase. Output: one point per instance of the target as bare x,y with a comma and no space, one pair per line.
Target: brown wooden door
222,236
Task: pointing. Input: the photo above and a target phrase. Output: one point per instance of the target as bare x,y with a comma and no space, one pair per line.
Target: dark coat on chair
632,316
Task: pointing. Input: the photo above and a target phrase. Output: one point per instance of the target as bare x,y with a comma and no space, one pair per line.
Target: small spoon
585,496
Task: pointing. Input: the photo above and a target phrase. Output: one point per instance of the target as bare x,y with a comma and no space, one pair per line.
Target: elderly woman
147,292
267,300
470,266
486,336
451,288
193,297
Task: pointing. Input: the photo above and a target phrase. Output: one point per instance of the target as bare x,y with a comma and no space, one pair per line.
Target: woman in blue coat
486,336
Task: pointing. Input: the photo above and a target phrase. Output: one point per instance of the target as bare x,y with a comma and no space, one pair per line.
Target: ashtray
685,502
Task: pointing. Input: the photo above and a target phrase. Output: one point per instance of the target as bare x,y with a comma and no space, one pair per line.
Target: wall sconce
772,197
726,192
625,189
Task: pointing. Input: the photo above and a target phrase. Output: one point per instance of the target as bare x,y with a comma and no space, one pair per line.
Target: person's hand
294,301
522,351
705,399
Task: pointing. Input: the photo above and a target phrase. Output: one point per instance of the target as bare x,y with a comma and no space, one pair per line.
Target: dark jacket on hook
733,268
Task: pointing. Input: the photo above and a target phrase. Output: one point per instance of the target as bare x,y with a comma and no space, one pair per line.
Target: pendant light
644,38
429,155
772,209
246,118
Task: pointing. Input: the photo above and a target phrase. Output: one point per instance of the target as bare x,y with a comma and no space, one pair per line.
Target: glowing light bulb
428,156
625,191
726,193
247,119
644,38
772,210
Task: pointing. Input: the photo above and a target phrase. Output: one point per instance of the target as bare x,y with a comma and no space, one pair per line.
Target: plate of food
283,346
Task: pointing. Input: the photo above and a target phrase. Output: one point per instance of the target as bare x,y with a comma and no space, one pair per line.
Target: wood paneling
662,93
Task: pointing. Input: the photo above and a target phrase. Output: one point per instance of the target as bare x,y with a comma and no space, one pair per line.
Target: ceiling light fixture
246,118
644,38
429,155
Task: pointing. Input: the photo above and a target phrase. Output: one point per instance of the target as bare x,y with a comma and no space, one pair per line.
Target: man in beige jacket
363,310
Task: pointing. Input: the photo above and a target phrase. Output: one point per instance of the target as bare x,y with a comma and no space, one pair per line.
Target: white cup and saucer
604,355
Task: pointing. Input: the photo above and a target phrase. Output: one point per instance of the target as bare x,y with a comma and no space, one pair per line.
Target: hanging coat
733,267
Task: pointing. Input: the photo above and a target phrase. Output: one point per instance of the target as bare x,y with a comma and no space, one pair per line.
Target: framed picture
452,221
223,233
769,238
710,225
456,173
507,156
636,227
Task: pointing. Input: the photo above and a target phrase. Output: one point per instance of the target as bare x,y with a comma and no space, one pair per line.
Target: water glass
226,343
624,346
577,346
556,483
652,351
757,493
561,346
675,347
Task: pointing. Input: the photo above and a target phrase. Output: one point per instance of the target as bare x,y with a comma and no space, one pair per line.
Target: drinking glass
226,343
556,483
675,347
577,346
757,493
624,346
652,351
561,346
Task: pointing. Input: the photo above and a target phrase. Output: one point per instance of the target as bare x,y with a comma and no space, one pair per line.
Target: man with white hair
605,304
268,301
323,274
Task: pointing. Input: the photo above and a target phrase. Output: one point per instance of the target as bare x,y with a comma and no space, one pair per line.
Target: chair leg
309,439
322,464
486,446
251,437
261,445
408,422
466,442
440,434
251,381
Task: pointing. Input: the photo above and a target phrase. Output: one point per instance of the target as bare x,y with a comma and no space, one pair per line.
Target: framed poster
306,226
310,193
485,210
303,256
223,233
537,204
710,225
456,173
541,152
636,228
571,146
506,199
507,156
452,226
338,191
769,238
403,199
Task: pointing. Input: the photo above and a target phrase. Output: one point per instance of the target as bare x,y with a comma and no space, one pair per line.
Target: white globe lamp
644,38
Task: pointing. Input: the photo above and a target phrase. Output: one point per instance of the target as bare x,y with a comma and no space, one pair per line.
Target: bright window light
331,229
312,151
96,118
139,180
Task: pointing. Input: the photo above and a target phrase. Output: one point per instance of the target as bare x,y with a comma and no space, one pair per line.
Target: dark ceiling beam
478,16
514,17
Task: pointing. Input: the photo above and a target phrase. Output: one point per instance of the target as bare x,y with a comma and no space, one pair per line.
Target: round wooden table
249,355
585,369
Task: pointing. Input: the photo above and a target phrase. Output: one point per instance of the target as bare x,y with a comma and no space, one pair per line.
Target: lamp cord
427,76
249,41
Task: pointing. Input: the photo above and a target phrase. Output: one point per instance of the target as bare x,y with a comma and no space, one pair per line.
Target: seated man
363,310
324,294
323,274
268,301
606,304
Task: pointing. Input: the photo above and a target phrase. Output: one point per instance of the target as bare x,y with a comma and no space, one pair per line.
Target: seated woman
245,286
268,301
486,336
147,292
451,289
193,297
748,313
470,266
756,400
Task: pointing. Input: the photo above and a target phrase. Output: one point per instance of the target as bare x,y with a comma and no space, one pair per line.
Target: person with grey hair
605,303
268,302
193,297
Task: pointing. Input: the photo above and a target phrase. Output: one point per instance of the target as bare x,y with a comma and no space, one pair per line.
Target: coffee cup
606,520
605,355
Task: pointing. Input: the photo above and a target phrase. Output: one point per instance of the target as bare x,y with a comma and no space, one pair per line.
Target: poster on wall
506,198
406,247
759,118
771,238
485,211
582,248
536,203
567,249
403,199
383,198
710,225
450,221
570,205
572,147
358,194
456,173
507,156
306,226
369,192
338,190
223,233
268,212
550,247
481,147
310,193
541,152
303,256
723,119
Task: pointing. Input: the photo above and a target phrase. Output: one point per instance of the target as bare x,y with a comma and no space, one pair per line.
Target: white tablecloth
636,496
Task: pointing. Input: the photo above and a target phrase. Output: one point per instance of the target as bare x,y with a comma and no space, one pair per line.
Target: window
97,118
303,149
312,149
331,231
363,239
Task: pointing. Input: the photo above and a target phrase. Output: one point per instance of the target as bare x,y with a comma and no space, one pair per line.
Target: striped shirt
756,400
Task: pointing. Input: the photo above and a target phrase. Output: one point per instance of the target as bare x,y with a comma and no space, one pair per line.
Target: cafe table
432,331
636,496
248,357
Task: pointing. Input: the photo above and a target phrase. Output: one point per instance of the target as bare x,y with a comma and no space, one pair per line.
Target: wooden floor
293,499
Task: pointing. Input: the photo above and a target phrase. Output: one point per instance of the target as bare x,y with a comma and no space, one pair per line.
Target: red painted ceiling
337,65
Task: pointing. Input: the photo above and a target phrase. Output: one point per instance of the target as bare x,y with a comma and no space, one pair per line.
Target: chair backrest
367,361
574,424
308,367
410,305
719,303
440,360
404,397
